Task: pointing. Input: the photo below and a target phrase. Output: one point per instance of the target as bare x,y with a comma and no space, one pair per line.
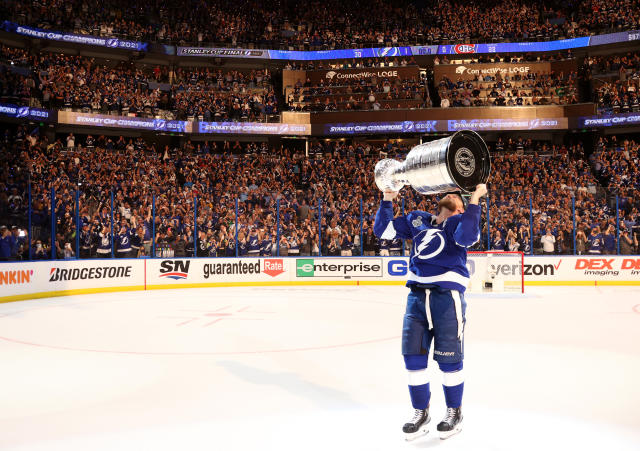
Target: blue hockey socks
418,380
453,383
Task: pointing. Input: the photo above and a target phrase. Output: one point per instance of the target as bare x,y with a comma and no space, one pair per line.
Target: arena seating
83,84
336,175
328,24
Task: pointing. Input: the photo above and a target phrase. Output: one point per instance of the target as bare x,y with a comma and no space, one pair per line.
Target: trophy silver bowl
460,161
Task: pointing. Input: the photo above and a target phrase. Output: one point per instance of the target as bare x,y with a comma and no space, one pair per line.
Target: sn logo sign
174,269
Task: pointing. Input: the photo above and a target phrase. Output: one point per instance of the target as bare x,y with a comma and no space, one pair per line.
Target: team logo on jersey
428,244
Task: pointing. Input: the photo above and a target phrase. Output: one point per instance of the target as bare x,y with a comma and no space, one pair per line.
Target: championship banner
223,52
113,43
139,123
368,128
609,120
252,128
453,125
27,112
558,123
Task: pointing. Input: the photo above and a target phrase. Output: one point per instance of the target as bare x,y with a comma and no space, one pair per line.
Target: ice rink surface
312,368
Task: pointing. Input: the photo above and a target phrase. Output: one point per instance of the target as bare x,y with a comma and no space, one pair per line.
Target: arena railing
178,230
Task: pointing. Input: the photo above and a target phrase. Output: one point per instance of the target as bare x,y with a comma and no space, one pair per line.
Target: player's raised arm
387,228
468,230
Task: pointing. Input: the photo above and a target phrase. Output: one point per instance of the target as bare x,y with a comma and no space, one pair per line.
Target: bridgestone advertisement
44,279
17,278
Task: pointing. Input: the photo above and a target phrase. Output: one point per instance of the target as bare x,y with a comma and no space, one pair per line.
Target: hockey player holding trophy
438,275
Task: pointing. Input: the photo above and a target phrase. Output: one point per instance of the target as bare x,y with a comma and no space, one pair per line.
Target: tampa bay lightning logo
387,51
428,244
407,126
113,43
23,111
284,128
534,123
159,124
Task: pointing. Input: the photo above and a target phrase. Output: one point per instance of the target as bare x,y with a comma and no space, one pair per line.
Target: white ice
312,368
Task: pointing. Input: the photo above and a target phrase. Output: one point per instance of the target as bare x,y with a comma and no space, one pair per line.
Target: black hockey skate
451,424
418,425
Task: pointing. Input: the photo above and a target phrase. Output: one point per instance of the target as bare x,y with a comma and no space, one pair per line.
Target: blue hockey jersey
439,251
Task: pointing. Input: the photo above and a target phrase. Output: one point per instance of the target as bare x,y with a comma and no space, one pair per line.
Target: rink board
31,280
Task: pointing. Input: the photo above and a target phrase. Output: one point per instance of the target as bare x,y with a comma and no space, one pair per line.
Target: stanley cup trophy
459,161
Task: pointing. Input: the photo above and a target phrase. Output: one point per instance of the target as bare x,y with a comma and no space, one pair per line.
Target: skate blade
446,434
424,430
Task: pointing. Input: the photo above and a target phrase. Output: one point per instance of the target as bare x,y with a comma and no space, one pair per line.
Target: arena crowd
283,186
328,24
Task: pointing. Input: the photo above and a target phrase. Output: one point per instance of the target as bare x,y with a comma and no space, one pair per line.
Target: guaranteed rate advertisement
213,271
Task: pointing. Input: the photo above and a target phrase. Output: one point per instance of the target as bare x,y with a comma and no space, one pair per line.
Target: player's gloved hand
480,191
390,195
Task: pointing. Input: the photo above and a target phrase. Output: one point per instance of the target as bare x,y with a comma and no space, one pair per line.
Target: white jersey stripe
457,302
449,276
389,233
427,308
